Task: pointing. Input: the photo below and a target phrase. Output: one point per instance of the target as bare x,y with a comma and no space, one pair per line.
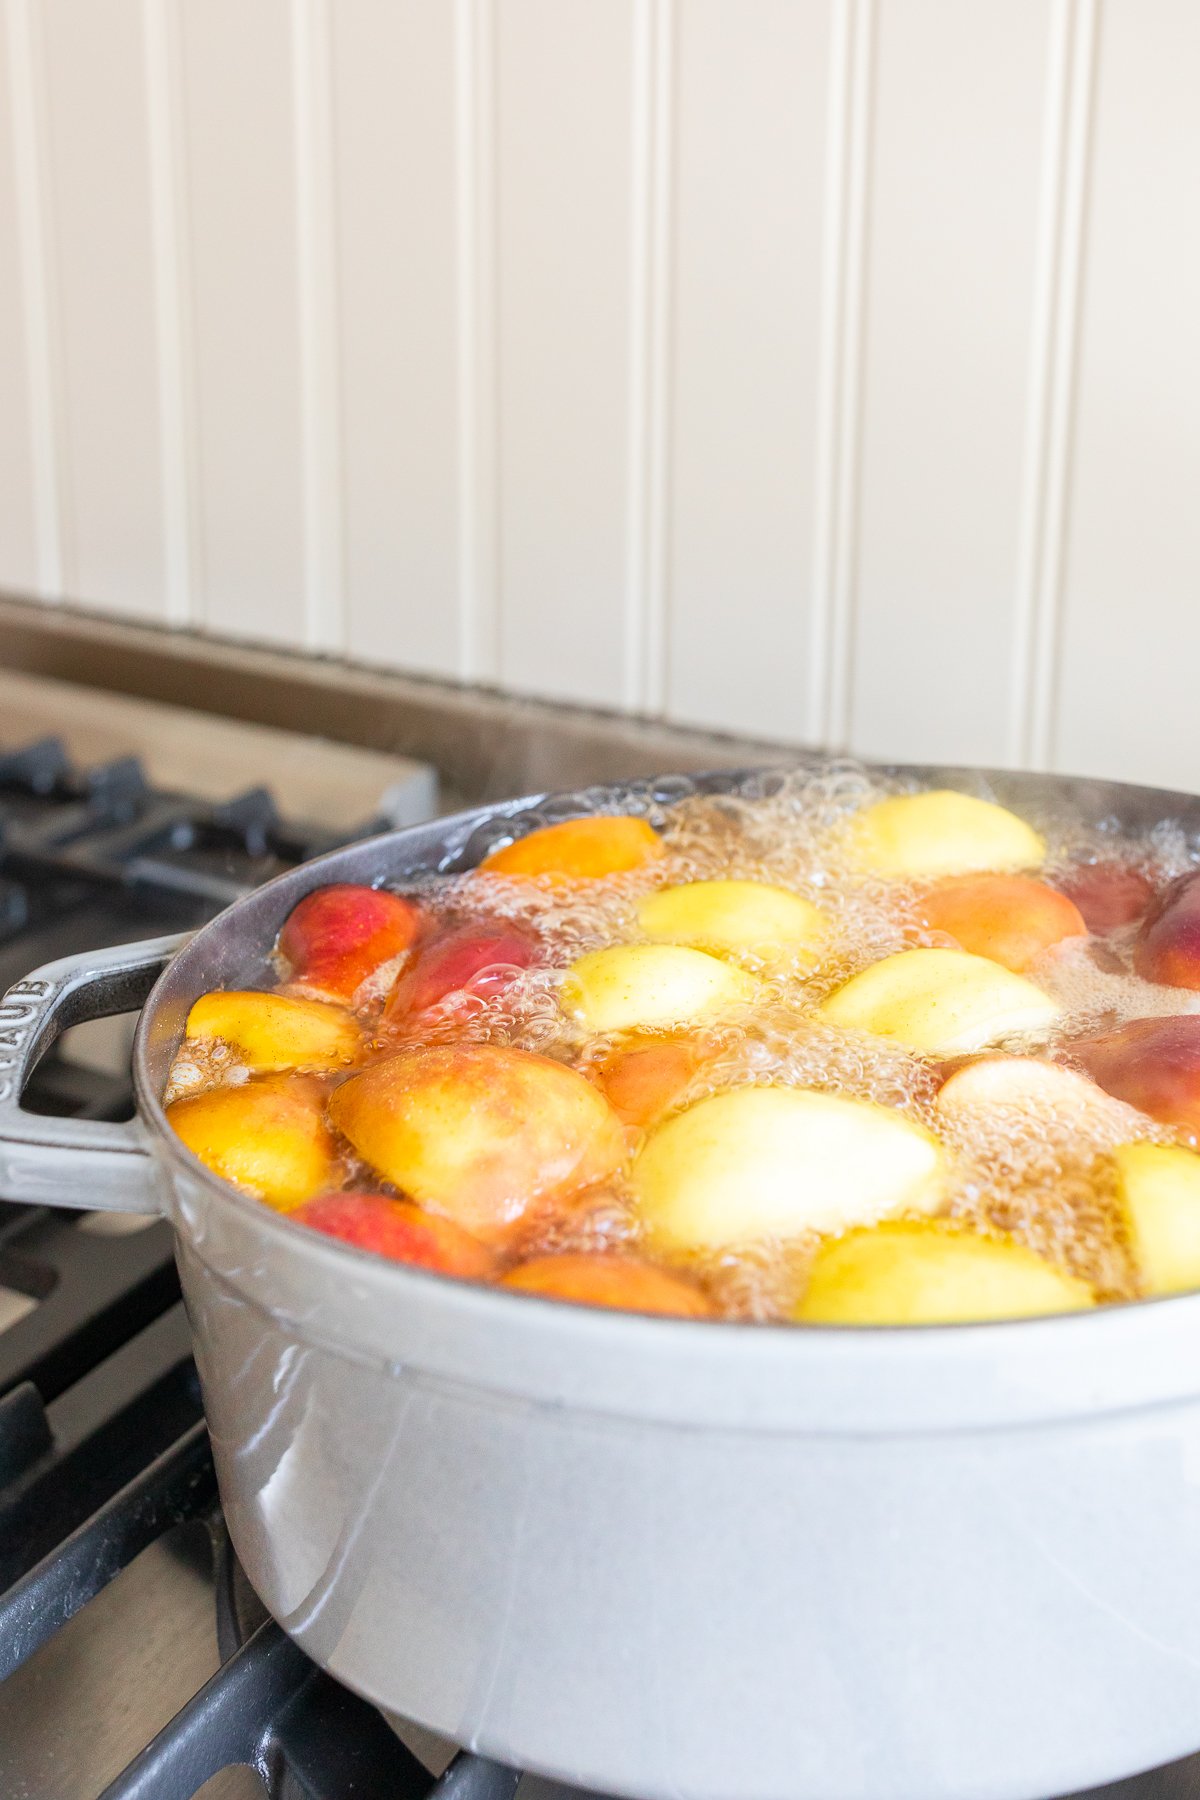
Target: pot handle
89,1163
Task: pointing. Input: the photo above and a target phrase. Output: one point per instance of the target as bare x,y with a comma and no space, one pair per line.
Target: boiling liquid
1027,1169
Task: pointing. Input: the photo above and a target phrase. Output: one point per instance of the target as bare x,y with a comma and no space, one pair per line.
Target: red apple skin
1108,894
339,935
1153,1064
399,1231
1168,944
452,961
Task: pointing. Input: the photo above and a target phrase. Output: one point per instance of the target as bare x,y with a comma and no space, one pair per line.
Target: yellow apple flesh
775,1162
940,1002
652,986
931,1272
748,916
1025,1082
921,836
1160,1191
275,1031
267,1136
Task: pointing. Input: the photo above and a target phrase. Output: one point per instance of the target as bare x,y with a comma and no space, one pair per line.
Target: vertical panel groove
645,675
320,411
478,529
172,292
843,280
1046,484
27,101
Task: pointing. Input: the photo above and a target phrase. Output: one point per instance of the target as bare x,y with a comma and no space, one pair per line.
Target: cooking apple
1108,894
1153,1064
1027,1083
339,935
479,1132
606,1279
652,985
940,1002
1009,918
1168,944
648,1073
276,1031
750,916
587,849
267,1136
775,1162
932,1272
399,1231
454,961
922,836
1160,1194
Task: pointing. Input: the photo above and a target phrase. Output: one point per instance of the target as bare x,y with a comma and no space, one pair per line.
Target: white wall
827,369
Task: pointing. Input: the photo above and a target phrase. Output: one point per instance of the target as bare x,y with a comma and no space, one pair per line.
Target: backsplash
821,371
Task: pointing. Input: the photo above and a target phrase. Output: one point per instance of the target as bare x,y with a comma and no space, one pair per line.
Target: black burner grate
99,856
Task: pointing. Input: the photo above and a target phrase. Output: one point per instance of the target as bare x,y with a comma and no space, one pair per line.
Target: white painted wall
825,369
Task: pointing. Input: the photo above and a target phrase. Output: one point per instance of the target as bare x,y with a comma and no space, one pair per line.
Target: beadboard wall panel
1130,644
237,98
19,560
958,157
563,214
813,368
750,104
394,140
99,235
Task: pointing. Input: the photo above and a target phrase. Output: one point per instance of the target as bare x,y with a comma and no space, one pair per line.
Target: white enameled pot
668,1559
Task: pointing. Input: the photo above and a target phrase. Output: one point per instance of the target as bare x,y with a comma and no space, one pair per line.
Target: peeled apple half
749,916
1028,1084
1160,1192
774,1162
932,1272
651,986
940,1002
921,836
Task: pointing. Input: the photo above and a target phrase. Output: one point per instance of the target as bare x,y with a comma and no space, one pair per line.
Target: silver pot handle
74,1162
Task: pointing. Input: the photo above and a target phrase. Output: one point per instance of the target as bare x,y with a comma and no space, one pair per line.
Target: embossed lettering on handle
74,1162
20,1010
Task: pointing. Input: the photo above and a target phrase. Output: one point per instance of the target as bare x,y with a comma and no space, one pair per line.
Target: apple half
940,1002
1160,1193
932,1272
651,986
752,917
920,836
776,1162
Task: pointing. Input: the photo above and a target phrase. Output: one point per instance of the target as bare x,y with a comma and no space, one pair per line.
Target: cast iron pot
664,1558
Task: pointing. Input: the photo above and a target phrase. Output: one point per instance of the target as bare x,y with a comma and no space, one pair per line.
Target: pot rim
994,1373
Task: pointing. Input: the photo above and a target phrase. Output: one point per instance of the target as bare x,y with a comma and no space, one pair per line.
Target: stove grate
267,1707
271,1709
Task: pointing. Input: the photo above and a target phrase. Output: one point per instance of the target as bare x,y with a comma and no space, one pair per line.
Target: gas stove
136,1662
